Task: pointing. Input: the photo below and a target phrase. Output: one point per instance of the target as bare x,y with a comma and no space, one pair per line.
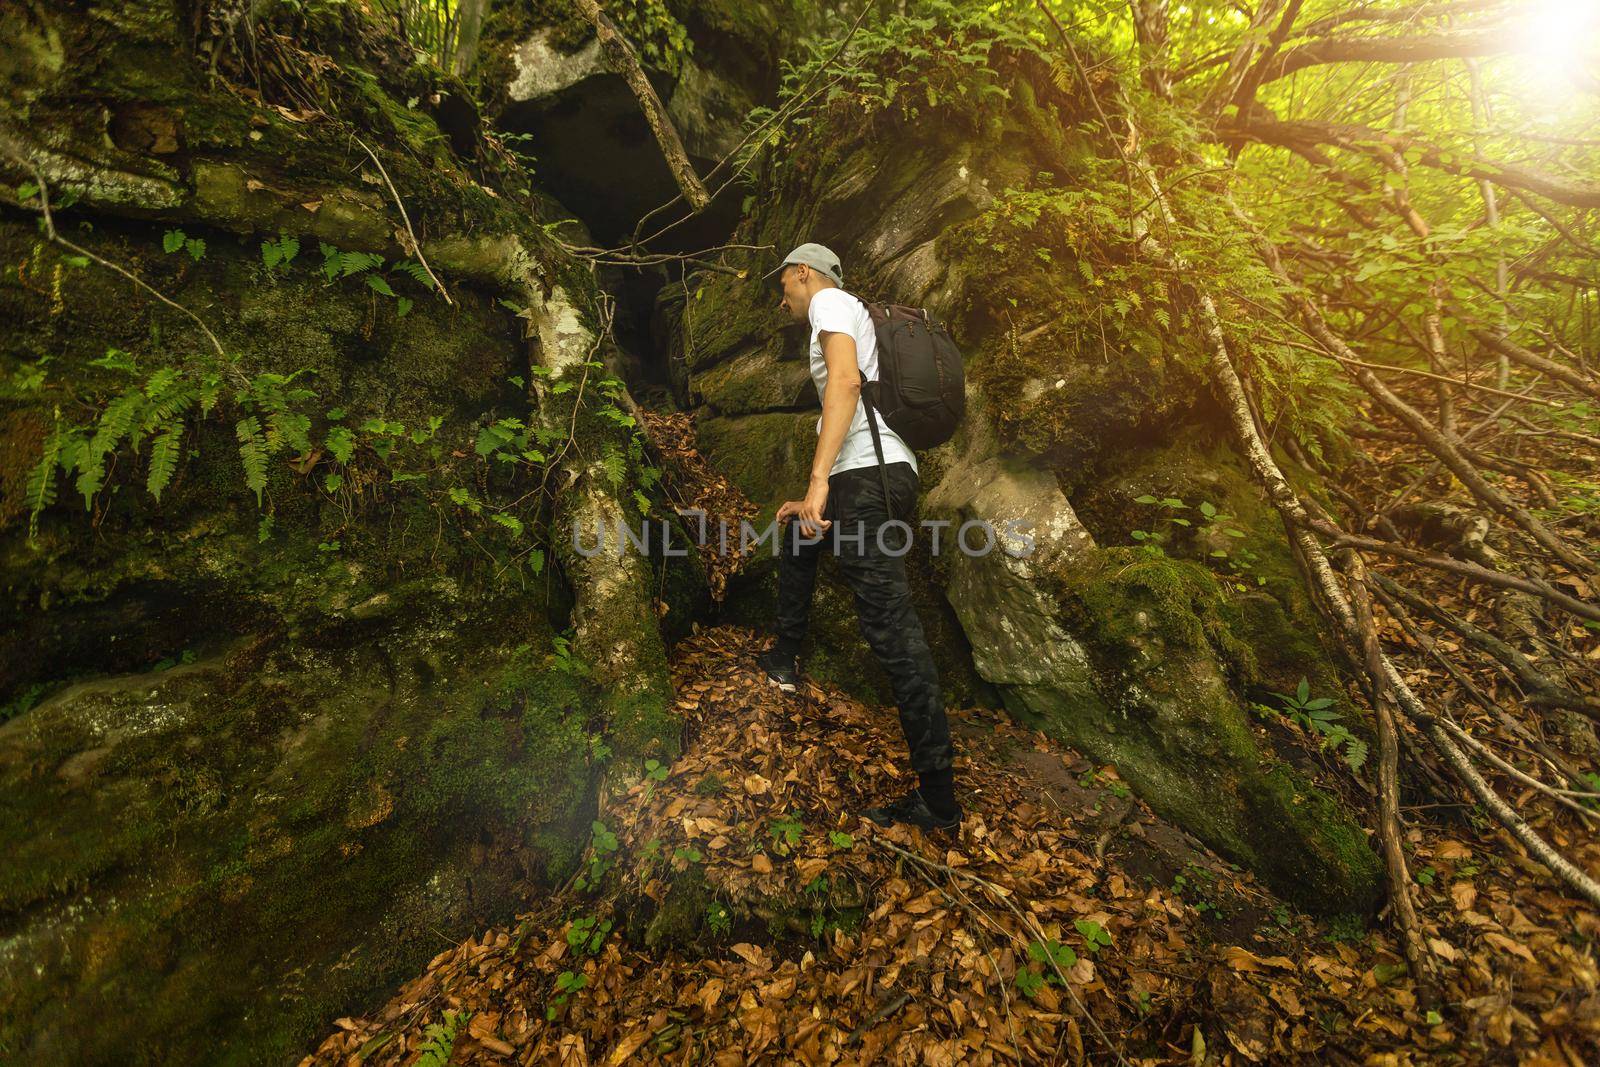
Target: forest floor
733,910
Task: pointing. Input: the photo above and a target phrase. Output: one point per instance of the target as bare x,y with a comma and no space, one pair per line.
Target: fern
289,428
416,271
615,465
163,460
279,252
116,421
210,392
41,486
357,262
441,1039
253,452
341,442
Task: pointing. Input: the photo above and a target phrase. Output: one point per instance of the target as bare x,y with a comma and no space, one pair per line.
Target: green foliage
786,832
586,935
659,38
279,253
1095,936
603,846
568,983
439,1039
1050,960
941,55
1317,715
718,919
176,241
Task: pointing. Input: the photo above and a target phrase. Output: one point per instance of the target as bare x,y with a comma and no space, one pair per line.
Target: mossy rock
1242,543
757,379
1153,630
212,861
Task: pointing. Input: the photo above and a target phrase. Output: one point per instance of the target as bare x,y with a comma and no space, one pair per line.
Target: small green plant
279,253
176,241
567,984
1348,927
1191,888
1049,956
655,771
602,846
1317,715
1115,786
786,831
841,840
586,935
1425,876
718,918
1592,779
440,1039
23,701
1095,936
687,855
561,651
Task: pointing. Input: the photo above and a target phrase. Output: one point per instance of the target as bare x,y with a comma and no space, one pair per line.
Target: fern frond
341,442
615,465
356,262
41,487
416,271
289,428
253,453
115,423
163,460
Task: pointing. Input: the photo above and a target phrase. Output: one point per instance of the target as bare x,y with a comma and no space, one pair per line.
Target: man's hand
809,510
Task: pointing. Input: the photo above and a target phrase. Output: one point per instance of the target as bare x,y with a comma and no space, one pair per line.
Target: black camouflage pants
871,557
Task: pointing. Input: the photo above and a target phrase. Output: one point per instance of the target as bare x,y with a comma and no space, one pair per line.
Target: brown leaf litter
756,919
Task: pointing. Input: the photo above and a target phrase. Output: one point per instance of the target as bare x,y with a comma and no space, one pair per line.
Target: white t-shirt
837,311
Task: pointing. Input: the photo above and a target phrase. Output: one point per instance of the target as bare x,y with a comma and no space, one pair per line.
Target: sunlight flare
1561,42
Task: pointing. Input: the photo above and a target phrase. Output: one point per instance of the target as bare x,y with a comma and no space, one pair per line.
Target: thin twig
416,246
55,236
1028,923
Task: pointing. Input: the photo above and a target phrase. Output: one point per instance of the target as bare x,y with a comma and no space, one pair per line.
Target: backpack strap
877,446
872,418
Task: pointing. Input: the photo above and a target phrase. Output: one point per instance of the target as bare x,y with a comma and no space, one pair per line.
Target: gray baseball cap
817,257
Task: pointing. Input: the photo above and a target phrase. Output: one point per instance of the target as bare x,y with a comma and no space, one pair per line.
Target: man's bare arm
839,399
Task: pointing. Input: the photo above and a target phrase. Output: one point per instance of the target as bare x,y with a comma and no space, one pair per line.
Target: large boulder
207,862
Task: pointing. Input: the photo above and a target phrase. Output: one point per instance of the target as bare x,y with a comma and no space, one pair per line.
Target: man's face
796,286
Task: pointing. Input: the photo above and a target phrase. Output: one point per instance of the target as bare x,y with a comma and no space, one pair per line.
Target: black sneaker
912,810
782,671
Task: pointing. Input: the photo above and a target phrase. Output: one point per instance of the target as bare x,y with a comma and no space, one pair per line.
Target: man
845,499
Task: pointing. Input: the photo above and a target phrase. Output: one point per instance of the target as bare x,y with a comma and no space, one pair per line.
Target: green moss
1114,598
1265,602
321,818
767,456
1158,707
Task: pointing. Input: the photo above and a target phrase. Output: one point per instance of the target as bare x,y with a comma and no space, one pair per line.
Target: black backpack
920,392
